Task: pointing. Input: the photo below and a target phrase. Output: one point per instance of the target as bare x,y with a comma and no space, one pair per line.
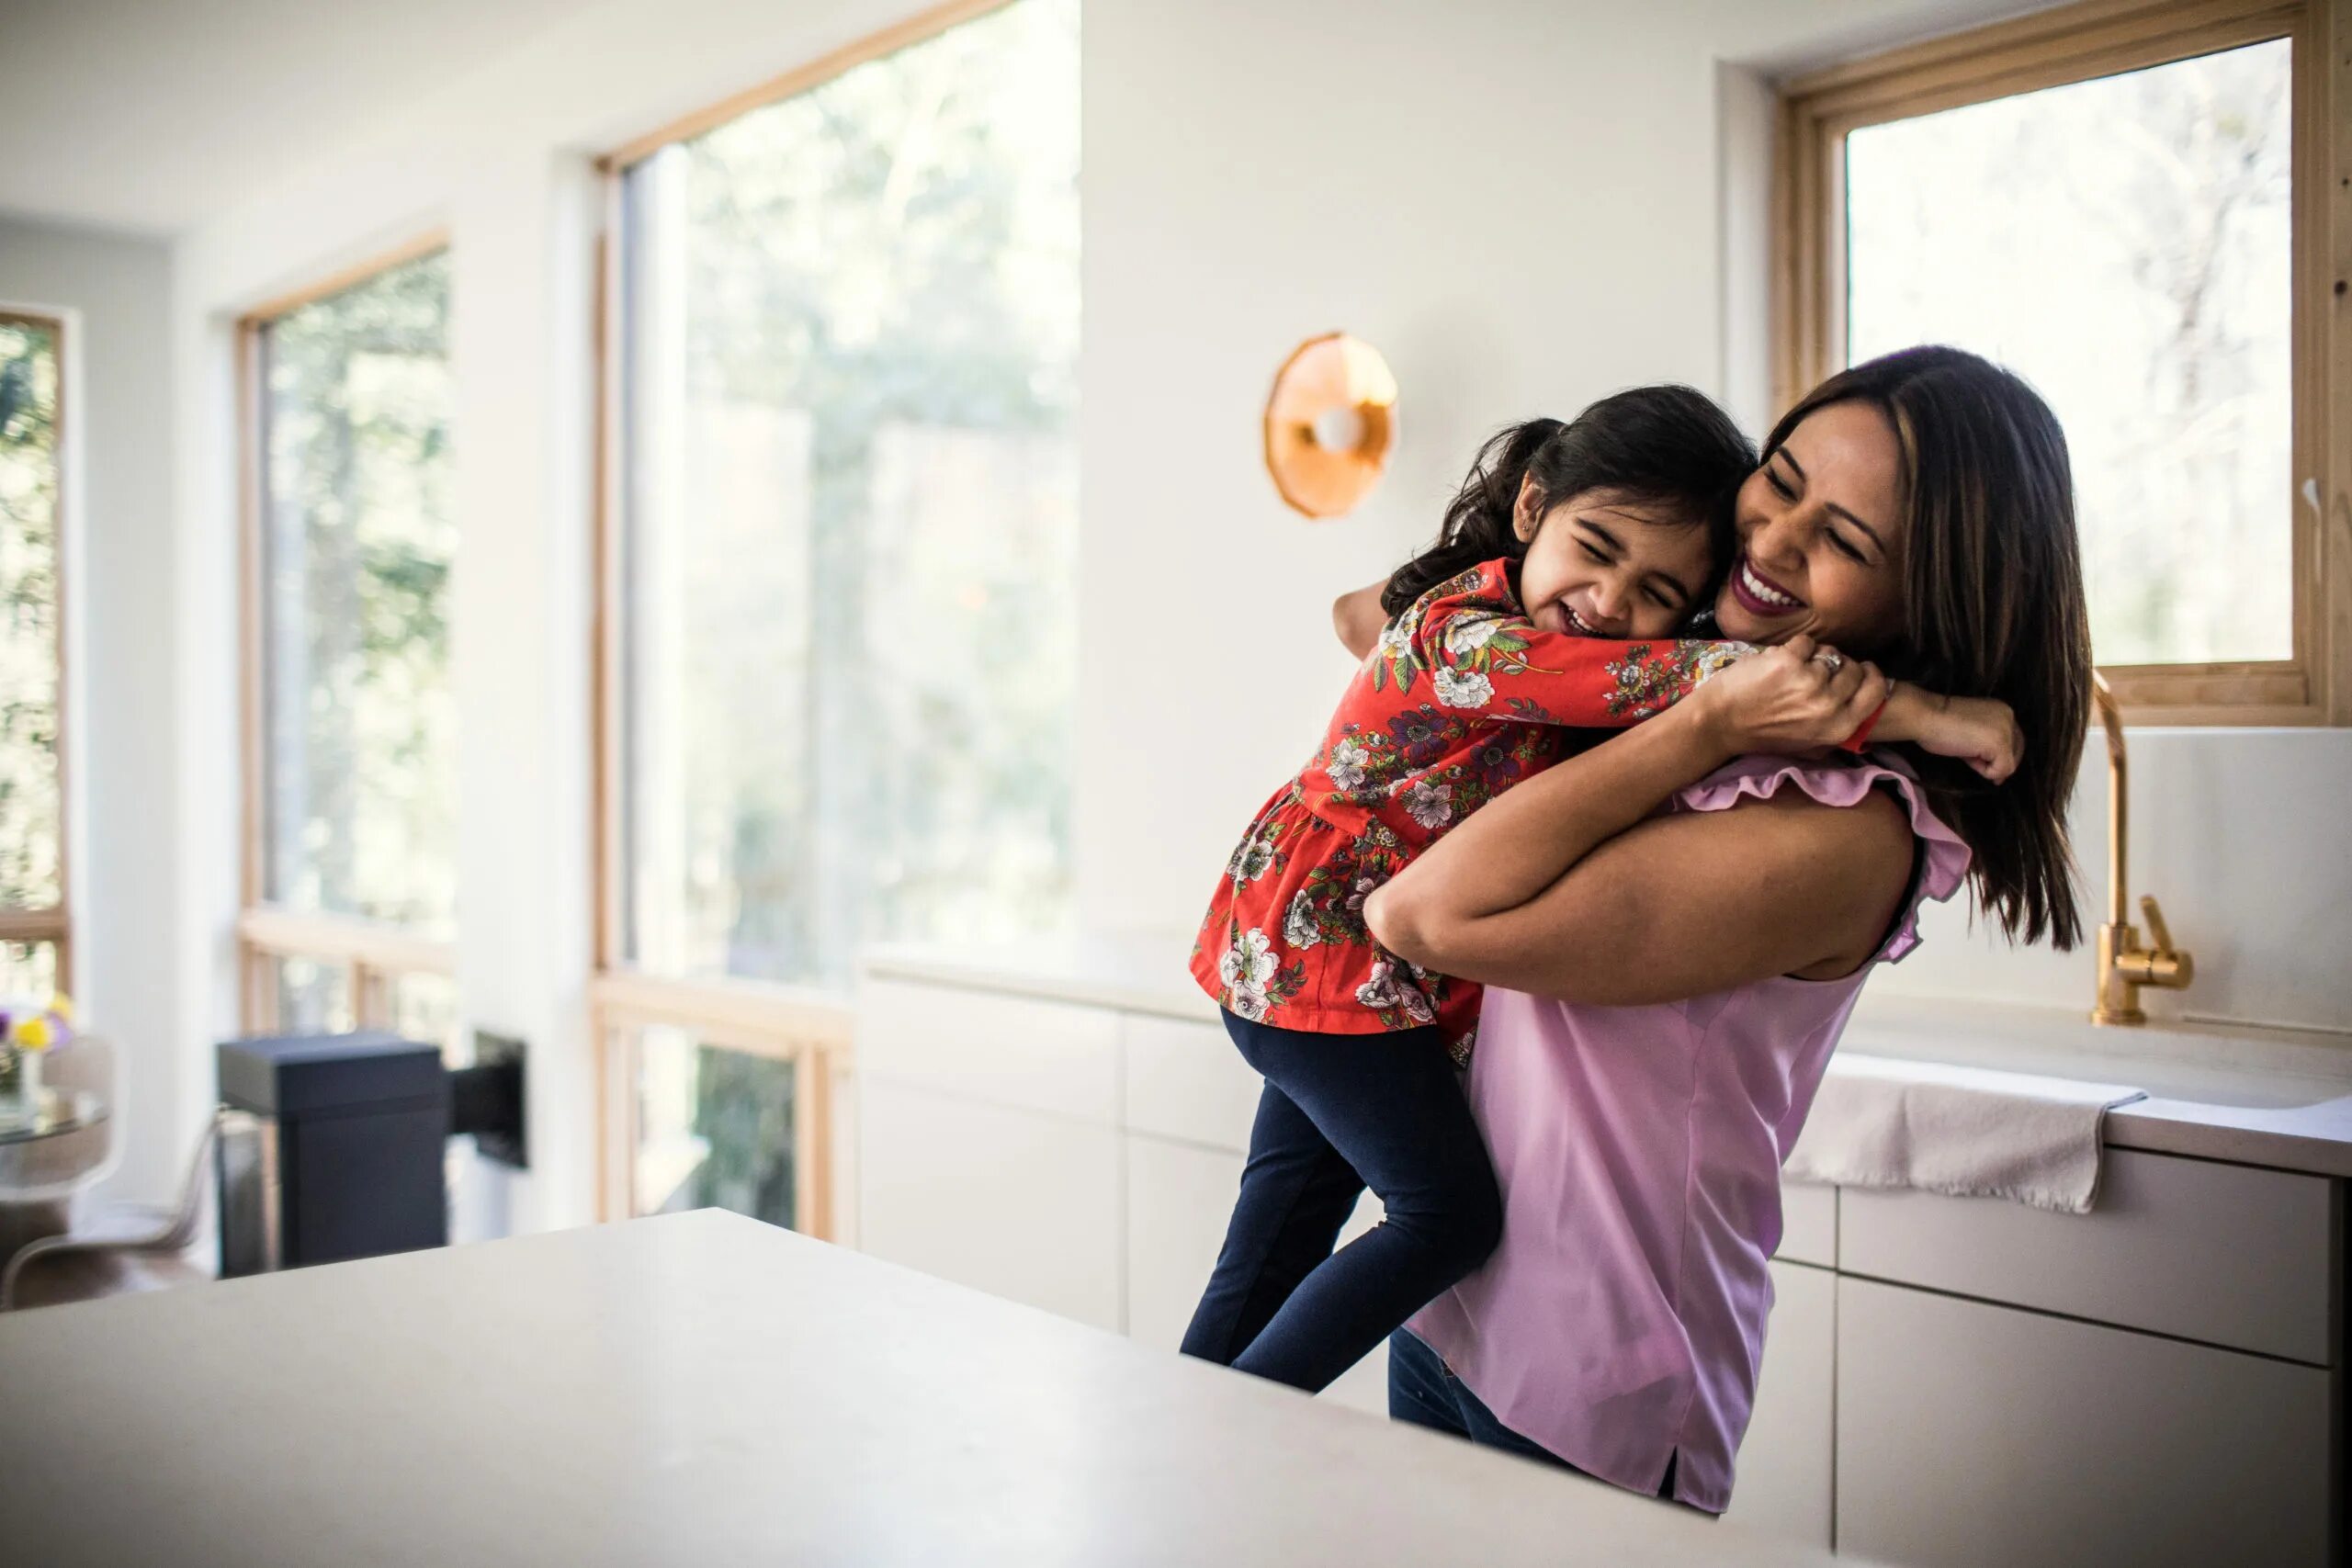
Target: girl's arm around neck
1567,886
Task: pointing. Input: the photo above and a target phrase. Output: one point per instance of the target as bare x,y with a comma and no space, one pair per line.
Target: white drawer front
1782,1485
1970,1434
2219,1253
1019,1205
1012,1051
1808,1223
1179,1198
1186,1080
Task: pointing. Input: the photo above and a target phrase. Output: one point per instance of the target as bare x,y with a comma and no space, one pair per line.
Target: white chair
41,1178
126,1248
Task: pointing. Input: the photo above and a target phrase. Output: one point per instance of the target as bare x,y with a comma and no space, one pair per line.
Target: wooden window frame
2076,43
54,923
374,954
814,1030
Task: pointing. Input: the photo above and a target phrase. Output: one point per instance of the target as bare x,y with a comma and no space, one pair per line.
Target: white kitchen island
704,1389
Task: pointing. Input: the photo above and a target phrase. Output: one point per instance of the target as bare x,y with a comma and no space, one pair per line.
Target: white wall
1523,208
1518,204
114,295
1522,204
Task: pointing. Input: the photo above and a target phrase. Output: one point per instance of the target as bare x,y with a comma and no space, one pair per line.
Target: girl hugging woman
1550,606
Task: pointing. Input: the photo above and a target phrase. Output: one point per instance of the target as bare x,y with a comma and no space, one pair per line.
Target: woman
1665,986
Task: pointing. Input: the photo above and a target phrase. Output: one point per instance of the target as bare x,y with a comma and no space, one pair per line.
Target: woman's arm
1563,887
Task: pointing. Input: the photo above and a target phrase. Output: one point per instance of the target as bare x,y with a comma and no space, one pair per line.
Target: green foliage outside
30,823
875,369
358,544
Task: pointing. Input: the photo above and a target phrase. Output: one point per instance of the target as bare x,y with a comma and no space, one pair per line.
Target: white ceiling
147,115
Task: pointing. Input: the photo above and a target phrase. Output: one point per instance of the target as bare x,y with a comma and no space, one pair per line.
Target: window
351,767
839,653
35,927
2110,203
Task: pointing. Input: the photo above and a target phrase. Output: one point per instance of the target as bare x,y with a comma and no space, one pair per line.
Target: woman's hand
1792,697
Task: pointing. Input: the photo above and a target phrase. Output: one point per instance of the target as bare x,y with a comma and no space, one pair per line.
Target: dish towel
1967,1131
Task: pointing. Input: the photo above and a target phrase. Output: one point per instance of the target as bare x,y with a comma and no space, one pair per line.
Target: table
49,1113
702,1388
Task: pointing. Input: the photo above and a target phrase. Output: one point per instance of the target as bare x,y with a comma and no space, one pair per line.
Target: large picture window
840,549
35,928
351,851
2105,200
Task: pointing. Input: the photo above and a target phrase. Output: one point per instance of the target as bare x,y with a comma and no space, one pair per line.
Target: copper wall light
1330,423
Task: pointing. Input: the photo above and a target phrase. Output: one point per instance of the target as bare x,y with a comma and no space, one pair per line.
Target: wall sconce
1330,423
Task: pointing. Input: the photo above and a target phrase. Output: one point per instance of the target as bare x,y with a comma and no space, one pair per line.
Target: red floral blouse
1462,698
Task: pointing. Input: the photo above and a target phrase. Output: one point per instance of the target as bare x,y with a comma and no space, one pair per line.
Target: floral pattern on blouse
1462,698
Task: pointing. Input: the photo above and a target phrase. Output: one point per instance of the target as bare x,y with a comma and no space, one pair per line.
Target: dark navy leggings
1341,1112
1423,1391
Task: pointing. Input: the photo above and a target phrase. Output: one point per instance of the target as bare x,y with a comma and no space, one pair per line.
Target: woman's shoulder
1868,812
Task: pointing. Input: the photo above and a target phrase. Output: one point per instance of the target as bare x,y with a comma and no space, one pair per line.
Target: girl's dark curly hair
1667,447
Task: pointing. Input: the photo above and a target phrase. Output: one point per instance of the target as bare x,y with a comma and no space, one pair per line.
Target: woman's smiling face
1822,532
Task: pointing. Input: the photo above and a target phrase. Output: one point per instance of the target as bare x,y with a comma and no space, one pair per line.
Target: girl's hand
1794,697
1980,731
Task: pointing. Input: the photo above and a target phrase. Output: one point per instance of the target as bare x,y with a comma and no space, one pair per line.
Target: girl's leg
1391,1108
1295,1194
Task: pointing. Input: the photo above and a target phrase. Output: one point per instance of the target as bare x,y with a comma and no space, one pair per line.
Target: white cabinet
1014,1051
1971,1434
1808,1223
1945,1380
2150,1255
1020,1203
1186,1080
1783,1484
1179,1198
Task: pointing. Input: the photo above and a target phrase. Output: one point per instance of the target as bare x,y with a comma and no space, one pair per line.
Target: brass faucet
2123,964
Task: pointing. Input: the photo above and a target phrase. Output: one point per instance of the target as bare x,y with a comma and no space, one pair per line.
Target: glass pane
361,764
715,1129
851,513
2121,244
424,1008
312,998
29,606
28,970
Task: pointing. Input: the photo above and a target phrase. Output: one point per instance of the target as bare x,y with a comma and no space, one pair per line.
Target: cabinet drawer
1179,1198
1186,1080
2224,1253
1783,1482
1808,1223
1971,1434
1022,1205
1011,1051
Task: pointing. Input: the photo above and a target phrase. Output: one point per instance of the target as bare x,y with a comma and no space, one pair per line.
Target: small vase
13,1065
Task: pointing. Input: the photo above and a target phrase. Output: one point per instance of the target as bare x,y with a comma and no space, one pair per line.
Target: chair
125,1249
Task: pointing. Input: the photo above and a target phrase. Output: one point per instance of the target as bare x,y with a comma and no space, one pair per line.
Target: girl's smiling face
1822,529
1601,563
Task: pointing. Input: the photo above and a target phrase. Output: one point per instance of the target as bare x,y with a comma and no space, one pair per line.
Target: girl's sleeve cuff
1861,737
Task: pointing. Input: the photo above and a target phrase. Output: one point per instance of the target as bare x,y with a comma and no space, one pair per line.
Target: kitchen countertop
2281,1099
702,1388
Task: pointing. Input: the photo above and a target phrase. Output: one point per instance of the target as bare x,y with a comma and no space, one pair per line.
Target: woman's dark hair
1993,596
1659,446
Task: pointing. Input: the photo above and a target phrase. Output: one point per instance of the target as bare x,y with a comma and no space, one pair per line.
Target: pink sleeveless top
1639,1149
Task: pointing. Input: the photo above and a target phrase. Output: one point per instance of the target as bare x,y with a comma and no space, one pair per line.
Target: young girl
1571,556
